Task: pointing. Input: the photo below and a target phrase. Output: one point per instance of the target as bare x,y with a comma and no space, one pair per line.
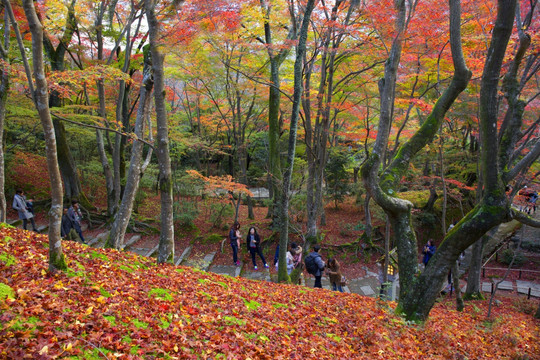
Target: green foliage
139,324
419,198
212,239
6,291
219,212
509,254
111,319
358,190
426,219
7,259
188,186
337,184
161,294
252,305
297,206
185,213
139,198
149,179
95,255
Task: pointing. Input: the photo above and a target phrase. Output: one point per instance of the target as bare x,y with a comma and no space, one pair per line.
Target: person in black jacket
253,241
234,238
67,230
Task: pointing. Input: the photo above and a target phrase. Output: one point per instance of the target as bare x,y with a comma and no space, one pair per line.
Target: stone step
230,270
201,264
131,241
15,222
42,228
152,251
184,255
99,240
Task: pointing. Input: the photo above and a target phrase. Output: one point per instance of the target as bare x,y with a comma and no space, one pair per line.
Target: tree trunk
417,295
4,89
166,238
494,207
135,172
56,257
109,181
473,290
284,210
68,168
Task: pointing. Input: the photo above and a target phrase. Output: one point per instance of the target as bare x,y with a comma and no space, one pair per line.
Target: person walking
334,274
21,205
315,265
234,238
67,230
428,251
75,215
253,241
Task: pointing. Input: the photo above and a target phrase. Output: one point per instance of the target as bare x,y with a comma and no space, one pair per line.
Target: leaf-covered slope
119,305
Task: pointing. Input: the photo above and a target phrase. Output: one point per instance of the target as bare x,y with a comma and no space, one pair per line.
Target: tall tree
166,238
56,56
135,172
382,187
56,256
298,89
4,89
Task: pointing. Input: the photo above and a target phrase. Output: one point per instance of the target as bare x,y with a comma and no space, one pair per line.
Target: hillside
118,305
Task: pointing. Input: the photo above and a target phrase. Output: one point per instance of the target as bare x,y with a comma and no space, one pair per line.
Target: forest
363,127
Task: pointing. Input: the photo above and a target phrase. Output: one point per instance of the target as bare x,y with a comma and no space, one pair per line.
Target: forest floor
119,305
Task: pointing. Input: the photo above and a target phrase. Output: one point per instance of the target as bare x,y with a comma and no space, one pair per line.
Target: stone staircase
368,285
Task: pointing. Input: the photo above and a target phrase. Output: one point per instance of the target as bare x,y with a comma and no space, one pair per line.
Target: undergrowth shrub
219,212
185,213
508,254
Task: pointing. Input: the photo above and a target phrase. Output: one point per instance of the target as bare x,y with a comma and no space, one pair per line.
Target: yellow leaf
176,348
100,300
68,347
89,310
44,350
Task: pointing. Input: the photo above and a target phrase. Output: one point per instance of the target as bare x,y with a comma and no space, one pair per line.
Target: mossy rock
419,198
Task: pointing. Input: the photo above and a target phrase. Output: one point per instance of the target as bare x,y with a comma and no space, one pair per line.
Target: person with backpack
315,265
234,238
24,209
253,241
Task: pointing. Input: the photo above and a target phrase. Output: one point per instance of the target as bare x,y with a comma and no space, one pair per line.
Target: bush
508,254
185,213
426,219
219,212
139,198
337,184
297,207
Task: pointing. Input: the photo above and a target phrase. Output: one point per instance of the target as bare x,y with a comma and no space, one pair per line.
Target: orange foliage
29,172
221,182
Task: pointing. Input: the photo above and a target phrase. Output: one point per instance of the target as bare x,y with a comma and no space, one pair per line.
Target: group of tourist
314,263
70,228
